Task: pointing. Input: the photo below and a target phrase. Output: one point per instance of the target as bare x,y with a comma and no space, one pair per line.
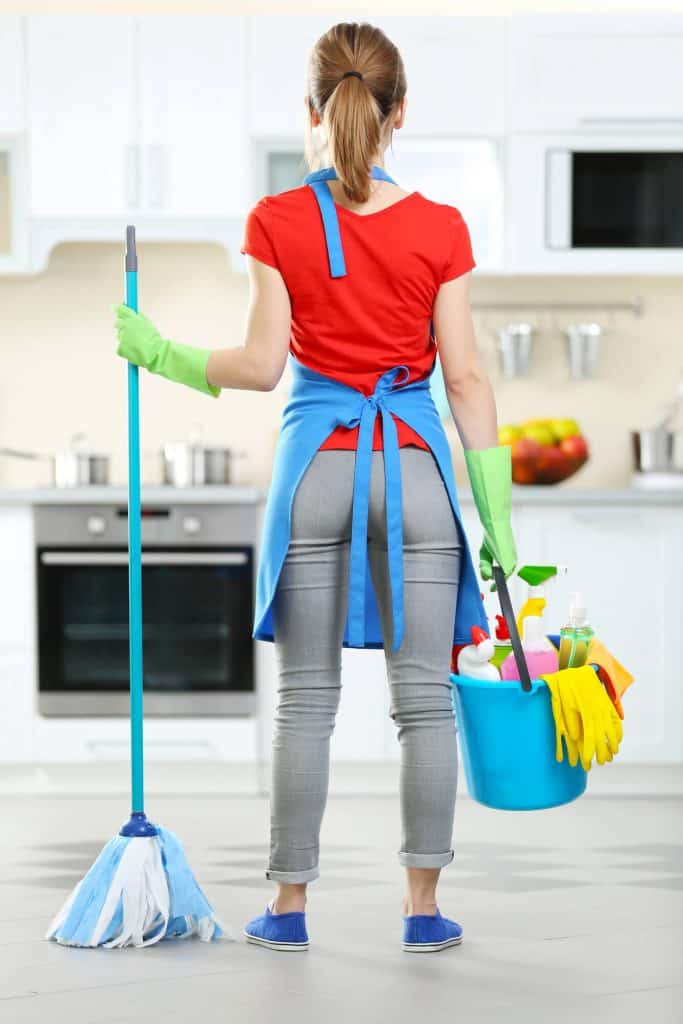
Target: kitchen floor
571,914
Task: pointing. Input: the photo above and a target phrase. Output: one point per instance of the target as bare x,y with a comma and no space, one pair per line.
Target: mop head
139,890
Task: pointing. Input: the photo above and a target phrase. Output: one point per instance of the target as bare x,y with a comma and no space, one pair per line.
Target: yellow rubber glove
584,717
561,728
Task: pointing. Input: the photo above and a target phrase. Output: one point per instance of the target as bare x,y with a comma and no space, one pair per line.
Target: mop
140,889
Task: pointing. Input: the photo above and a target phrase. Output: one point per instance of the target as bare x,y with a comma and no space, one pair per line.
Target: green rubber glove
490,473
141,343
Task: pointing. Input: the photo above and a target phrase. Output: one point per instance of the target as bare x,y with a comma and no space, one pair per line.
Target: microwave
599,203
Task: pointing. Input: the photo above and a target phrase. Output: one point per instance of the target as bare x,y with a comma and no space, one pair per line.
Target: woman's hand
141,343
139,340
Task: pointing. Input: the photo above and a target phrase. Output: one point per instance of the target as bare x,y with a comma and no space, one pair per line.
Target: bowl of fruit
544,451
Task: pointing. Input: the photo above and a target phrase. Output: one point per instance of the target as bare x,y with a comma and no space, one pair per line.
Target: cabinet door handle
630,120
132,175
156,175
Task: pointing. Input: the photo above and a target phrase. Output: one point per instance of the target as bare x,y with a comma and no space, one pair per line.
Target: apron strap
317,180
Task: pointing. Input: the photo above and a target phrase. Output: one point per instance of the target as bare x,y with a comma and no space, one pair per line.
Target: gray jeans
309,613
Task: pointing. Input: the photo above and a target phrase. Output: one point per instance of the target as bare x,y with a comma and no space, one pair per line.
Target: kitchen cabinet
13,162
193,115
594,72
82,114
454,68
153,121
12,93
627,562
278,48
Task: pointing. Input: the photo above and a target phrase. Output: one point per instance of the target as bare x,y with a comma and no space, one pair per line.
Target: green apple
540,433
564,428
508,433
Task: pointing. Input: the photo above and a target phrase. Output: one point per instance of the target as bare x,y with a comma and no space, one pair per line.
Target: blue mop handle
134,546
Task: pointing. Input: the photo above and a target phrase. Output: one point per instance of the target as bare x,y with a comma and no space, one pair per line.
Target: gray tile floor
570,914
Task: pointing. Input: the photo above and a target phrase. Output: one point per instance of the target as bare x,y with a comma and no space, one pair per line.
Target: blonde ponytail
356,80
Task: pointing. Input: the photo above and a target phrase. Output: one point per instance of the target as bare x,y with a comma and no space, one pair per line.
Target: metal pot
657,451
514,345
71,468
187,464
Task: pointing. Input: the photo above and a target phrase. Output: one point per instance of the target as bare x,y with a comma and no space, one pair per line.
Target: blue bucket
507,738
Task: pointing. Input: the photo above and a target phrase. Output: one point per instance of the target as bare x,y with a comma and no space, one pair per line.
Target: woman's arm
471,401
258,364
468,389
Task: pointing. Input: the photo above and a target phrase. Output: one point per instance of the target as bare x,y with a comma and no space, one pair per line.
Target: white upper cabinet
279,48
13,162
193,115
594,73
454,68
82,114
137,115
12,112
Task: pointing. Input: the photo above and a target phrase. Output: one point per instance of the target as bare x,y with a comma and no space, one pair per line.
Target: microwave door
627,199
558,199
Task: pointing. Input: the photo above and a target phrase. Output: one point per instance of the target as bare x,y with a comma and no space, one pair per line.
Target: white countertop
252,495
230,494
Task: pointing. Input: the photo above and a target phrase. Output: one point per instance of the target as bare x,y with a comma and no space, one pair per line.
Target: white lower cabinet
17,706
627,562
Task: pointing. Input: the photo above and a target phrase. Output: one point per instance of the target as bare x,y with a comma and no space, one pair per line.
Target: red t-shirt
356,327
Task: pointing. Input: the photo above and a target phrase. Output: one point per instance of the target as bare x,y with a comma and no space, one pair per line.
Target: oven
197,596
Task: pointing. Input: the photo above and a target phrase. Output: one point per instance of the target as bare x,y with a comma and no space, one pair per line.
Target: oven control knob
192,524
97,525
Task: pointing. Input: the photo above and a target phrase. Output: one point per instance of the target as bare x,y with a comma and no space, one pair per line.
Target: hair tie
356,74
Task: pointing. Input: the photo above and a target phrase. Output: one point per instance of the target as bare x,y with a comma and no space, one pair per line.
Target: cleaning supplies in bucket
507,734
502,644
537,576
615,678
585,717
576,635
474,660
539,653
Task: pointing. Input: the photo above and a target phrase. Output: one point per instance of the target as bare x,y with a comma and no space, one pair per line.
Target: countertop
230,494
252,495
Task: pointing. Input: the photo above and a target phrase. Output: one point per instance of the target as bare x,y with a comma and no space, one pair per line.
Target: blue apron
317,404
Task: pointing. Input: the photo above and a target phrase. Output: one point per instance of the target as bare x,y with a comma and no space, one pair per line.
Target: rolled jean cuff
425,860
293,877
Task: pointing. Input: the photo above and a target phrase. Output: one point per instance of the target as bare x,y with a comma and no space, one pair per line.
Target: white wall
60,373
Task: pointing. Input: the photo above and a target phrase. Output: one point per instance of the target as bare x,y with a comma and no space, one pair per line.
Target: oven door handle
148,558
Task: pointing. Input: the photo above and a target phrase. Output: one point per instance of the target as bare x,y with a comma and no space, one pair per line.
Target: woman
356,282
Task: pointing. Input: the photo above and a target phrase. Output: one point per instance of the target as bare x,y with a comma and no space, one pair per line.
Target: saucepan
74,467
191,463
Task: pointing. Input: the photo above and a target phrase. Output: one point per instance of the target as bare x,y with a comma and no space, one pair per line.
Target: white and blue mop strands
140,889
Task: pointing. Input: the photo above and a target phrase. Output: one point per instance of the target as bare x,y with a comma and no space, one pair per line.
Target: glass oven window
627,200
197,619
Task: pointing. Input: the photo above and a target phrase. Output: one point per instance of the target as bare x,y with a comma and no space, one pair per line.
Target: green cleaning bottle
576,635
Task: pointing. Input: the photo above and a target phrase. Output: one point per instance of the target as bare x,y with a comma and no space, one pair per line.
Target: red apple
553,465
576,449
525,455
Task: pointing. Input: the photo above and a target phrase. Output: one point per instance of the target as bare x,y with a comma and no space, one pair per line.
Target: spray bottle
576,635
537,576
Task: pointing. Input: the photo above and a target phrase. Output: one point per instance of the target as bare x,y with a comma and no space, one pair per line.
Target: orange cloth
611,672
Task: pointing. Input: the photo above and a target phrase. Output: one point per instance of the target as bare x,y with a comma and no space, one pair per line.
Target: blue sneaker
428,933
278,931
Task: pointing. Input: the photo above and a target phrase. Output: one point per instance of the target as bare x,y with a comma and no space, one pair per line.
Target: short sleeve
459,258
257,240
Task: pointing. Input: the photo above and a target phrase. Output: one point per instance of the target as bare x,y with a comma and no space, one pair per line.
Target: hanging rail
636,306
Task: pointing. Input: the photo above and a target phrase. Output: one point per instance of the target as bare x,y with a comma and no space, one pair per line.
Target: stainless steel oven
197,591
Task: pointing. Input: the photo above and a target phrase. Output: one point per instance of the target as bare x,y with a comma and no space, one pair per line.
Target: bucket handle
509,616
